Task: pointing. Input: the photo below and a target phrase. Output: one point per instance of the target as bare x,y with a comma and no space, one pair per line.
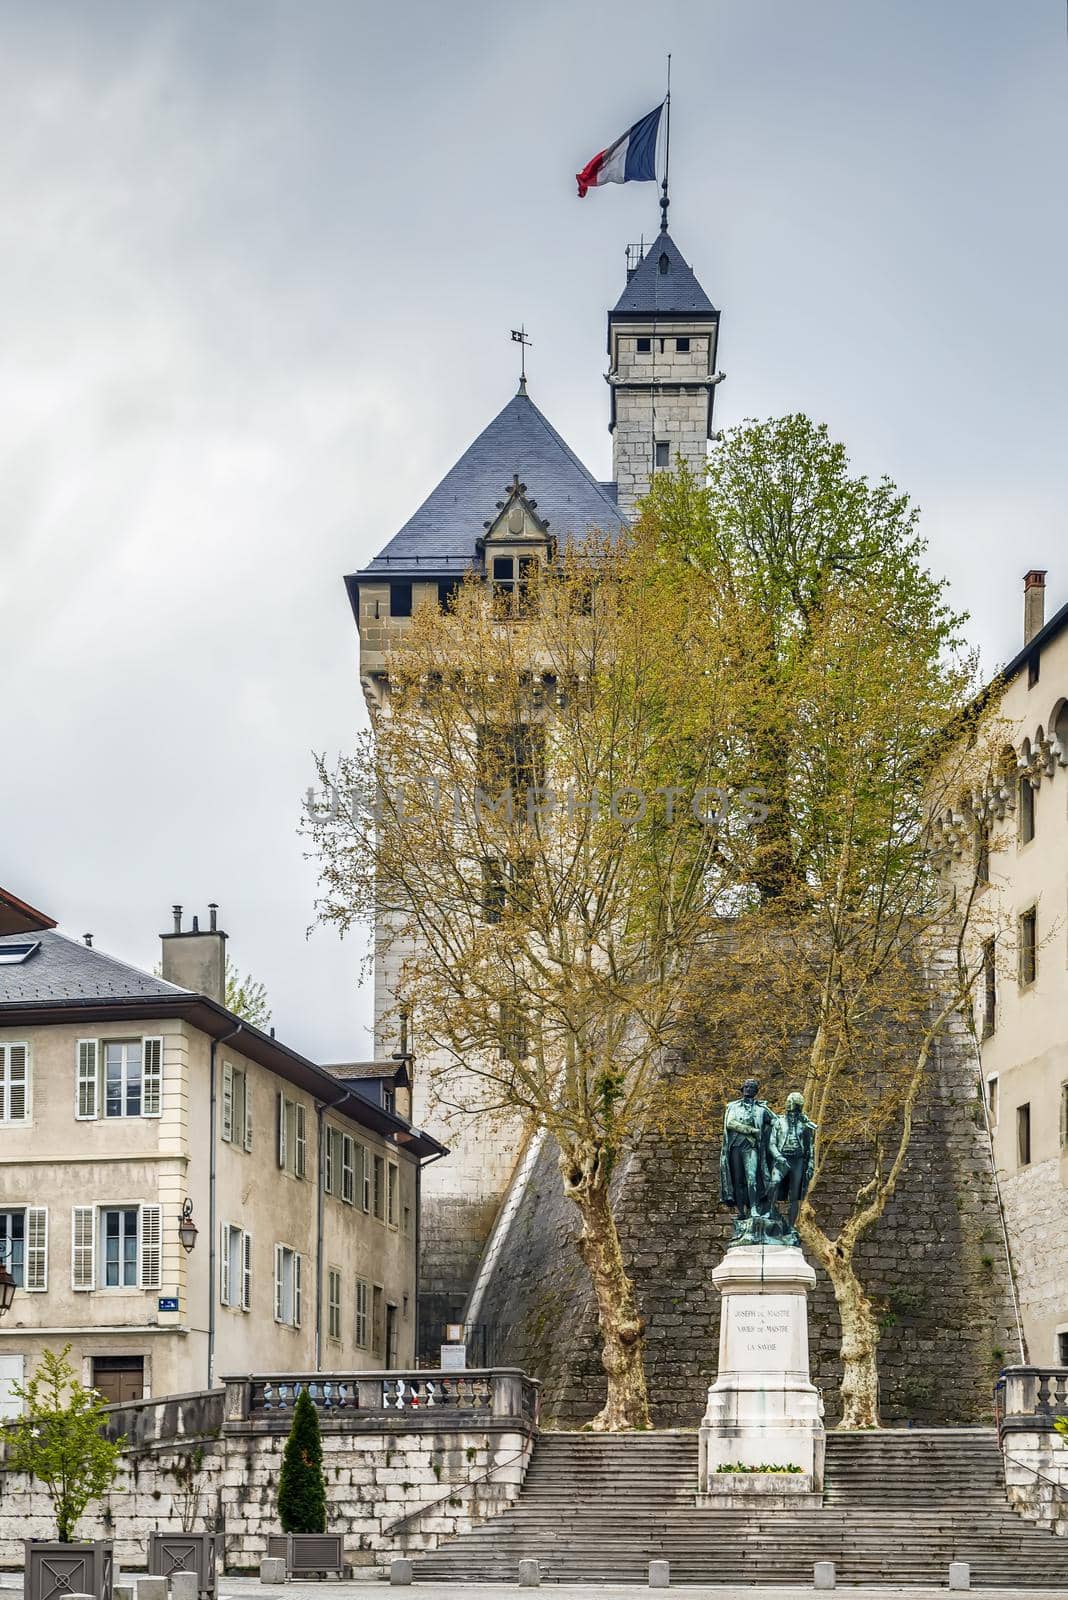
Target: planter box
53,1570
307,1553
201,1553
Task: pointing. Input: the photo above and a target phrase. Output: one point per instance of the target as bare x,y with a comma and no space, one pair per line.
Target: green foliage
301,1487
740,1466
58,1440
246,998
1061,1425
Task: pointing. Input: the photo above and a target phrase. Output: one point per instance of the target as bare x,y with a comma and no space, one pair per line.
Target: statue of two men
766,1160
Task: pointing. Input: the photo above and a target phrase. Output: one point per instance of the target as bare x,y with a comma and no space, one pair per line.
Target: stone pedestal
763,1408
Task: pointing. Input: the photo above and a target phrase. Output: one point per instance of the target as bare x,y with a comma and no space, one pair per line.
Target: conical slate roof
440,538
664,285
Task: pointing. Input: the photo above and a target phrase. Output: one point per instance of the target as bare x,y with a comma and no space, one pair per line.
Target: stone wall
375,1474
1036,1477
935,1263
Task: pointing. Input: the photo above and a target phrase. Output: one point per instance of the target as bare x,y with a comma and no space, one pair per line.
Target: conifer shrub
301,1486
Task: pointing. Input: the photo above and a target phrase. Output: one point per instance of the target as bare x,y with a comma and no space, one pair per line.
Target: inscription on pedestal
760,1332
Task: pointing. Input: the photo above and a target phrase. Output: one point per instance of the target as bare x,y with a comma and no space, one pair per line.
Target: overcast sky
258,267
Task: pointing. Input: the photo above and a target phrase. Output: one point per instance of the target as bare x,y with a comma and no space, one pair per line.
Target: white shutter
296,1289
348,1190
300,1163
246,1272
37,1247
224,1264
14,1083
152,1077
281,1130
227,1105
86,1093
248,1113
278,1302
83,1247
151,1247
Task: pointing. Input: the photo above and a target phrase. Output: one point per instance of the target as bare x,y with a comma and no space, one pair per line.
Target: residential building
514,496
130,1102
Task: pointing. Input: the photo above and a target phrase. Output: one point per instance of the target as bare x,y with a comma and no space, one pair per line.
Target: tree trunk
585,1174
860,1340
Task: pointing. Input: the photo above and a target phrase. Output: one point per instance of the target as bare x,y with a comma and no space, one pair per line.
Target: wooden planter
308,1553
54,1570
201,1553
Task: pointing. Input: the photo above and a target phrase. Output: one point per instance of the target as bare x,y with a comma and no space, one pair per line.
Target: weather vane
519,337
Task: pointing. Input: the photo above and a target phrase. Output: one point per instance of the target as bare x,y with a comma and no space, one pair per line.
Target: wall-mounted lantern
187,1228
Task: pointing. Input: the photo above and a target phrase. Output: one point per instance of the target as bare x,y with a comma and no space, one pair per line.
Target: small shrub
58,1440
301,1487
765,1466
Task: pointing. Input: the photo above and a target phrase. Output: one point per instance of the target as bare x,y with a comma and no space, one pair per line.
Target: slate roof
651,292
440,538
363,1069
66,969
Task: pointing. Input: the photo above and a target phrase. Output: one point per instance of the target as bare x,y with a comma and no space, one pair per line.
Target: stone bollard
185,1586
960,1575
272,1570
660,1574
400,1570
151,1589
529,1575
823,1575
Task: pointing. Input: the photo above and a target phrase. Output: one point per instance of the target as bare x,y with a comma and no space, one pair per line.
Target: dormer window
664,262
512,576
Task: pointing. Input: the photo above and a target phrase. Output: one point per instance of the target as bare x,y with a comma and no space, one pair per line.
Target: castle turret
662,338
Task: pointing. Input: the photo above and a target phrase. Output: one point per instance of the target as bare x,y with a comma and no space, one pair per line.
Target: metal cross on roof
519,337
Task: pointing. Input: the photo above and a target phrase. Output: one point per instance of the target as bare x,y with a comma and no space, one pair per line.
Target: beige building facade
128,1101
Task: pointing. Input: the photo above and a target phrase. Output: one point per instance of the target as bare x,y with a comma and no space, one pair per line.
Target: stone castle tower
662,338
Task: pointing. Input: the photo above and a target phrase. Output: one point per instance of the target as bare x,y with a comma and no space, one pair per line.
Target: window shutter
37,1247
281,1130
329,1165
151,1247
246,1271
296,1289
363,1174
300,1163
152,1081
248,1113
83,1246
13,1108
347,1189
87,1089
227,1103
224,1264
278,1307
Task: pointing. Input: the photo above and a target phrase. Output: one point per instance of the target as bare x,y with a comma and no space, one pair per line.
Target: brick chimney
1034,602
196,960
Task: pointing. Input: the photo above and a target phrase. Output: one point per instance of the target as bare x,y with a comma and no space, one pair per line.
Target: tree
58,1439
246,998
515,827
849,952
301,1487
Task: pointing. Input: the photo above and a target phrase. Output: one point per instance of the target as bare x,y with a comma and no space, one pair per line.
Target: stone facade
935,1265
661,395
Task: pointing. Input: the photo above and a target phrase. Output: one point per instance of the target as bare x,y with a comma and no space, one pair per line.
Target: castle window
400,599
661,454
682,346
643,346
1023,1135
1026,794
1028,947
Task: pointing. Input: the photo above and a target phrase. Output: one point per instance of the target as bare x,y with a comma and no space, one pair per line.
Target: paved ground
235,1588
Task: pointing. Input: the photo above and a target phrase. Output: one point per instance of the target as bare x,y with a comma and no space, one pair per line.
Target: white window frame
236,1117
90,1086
348,1169
362,1315
8,1082
287,1286
235,1288
88,1257
292,1136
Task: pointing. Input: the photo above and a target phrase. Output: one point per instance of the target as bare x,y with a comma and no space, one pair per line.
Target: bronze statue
765,1160
793,1144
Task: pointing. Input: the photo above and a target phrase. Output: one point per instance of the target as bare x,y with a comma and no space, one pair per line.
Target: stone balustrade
1030,1399
500,1395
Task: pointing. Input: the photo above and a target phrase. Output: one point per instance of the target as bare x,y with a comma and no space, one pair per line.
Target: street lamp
187,1231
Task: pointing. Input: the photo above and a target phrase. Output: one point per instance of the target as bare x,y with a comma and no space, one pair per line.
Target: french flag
631,159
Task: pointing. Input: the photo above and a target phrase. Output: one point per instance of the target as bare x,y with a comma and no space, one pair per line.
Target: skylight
12,955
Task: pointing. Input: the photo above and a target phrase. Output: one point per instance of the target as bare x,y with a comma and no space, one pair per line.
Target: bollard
400,1570
272,1570
960,1575
823,1575
151,1589
660,1574
529,1575
185,1586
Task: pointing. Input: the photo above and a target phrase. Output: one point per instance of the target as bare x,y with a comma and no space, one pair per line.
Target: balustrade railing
493,1392
1032,1398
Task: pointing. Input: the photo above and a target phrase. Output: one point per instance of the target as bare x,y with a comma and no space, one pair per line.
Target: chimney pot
213,911
177,918
1034,602
196,924
88,938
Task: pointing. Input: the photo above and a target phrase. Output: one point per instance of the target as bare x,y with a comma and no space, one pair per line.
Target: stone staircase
900,1505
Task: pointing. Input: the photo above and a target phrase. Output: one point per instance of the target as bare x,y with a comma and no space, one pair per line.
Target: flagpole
664,201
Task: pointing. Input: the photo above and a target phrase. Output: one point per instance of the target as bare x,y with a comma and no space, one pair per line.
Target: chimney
1034,602
196,960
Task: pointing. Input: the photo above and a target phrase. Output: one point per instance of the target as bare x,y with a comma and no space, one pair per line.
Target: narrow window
1062,1349
122,1079
662,458
392,1183
14,1082
990,989
1034,667
118,1247
348,1170
982,853
287,1286
1028,947
643,346
992,1098
380,1188
1023,1135
682,346
1026,795
361,1333
333,1304
400,599
378,1321
447,591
